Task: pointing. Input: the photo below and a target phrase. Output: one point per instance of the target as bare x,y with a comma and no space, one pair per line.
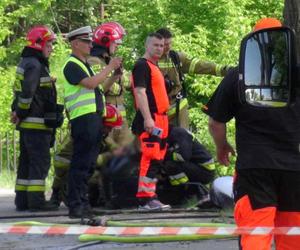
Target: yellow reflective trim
20,188
115,89
172,109
123,113
126,79
113,119
29,125
193,65
177,157
100,160
19,77
61,165
210,166
176,182
23,105
46,85
165,65
96,67
36,189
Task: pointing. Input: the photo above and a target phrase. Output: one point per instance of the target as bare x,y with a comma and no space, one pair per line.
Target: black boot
46,206
56,197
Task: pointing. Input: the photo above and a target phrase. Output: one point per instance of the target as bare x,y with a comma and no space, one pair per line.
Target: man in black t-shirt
151,121
266,186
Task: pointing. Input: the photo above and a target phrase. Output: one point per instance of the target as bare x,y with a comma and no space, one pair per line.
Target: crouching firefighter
36,114
262,94
188,167
62,160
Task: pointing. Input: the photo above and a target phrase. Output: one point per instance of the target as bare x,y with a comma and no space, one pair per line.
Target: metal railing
9,148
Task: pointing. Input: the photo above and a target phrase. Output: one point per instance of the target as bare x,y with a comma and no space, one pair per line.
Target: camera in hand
118,71
169,84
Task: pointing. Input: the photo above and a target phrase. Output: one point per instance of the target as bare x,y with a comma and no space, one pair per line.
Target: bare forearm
218,132
142,103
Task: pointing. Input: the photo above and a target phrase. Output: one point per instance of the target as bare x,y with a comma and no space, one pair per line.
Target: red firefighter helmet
112,118
267,22
38,36
106,33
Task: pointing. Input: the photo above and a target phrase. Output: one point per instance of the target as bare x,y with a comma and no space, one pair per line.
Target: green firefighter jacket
187,66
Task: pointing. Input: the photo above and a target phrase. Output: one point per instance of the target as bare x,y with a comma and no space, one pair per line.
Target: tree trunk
291,14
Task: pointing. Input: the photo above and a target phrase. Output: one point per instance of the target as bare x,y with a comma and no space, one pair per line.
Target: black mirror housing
268,74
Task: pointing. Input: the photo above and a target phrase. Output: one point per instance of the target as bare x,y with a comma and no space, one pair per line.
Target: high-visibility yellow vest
78,99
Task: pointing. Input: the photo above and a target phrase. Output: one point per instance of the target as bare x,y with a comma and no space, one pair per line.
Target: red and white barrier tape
130,231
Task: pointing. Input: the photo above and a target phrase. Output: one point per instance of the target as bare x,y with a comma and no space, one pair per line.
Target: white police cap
84,33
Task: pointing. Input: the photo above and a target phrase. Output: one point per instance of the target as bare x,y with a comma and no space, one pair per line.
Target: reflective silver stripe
82,103
208,162
146,179
36,182
25,100
20,70
45,79
34,120
76,95
177,176
22,182
165,65
120,107
146,189
193,65
61,159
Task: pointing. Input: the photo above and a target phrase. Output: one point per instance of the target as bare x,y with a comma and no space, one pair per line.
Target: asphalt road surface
70,242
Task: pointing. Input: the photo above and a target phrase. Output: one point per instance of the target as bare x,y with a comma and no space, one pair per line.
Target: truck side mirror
267,68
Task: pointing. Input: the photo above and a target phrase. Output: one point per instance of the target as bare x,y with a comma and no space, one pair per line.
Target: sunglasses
85,40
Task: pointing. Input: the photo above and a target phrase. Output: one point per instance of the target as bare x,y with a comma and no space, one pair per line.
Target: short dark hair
165,33
151,35
156,35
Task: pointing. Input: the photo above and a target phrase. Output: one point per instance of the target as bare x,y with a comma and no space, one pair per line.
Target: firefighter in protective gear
36,115
106,39
266,184
183,147
151,121
84,101
62,159
174,65
188,167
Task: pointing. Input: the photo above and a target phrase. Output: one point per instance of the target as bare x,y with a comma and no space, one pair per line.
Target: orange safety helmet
38,36
267,22
112,118
106,33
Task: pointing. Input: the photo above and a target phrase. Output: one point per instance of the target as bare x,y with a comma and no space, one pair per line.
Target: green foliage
208,29
7,77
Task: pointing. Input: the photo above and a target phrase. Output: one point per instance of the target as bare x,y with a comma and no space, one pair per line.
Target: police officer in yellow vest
106,39
85,105
173,66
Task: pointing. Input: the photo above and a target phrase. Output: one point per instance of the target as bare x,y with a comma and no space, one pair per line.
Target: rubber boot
56,198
